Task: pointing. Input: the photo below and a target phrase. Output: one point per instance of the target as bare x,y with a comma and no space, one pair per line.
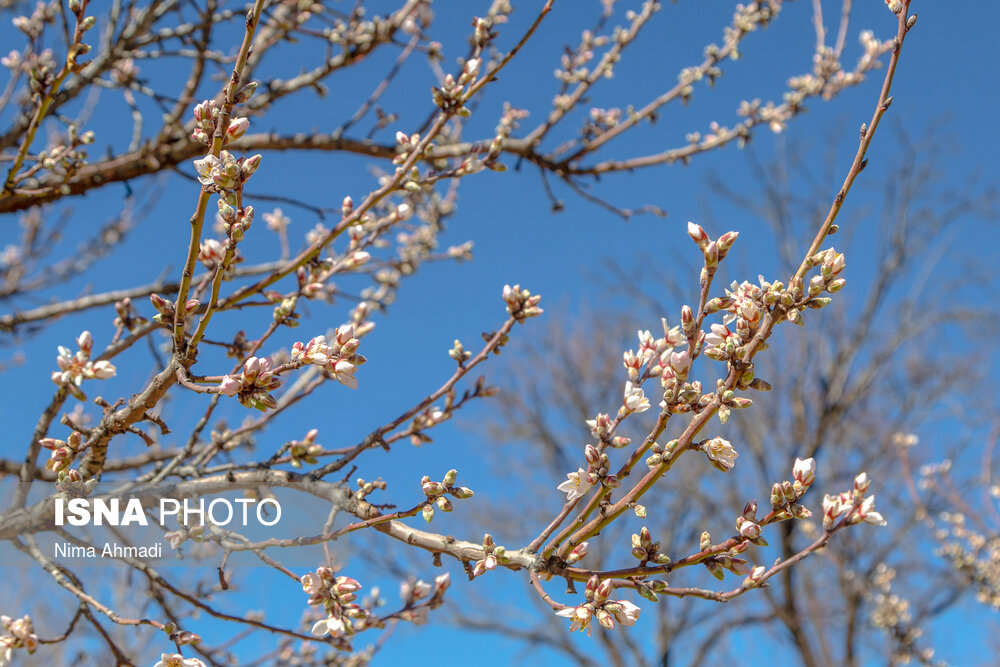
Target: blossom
833,507
311,583
22,635
600,425
414,590
339,357
581,617
721,453
577,485
607,612
211,253
178,660
441,583
804,471
625,612
76,367
635,399
253,386
867,514
332,626
277,221
719,335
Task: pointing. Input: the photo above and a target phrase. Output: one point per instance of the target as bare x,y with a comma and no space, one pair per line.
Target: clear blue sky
947,78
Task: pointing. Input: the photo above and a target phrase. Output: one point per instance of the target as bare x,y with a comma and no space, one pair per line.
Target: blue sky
946,80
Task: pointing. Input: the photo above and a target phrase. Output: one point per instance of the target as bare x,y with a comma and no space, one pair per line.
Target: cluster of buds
785,495
721,453
598,471
177,660
714,251
459,353
520,302
74,368
310,281
70,484
235,221
226,172
175,538
852,503
337,596
414,591
433,415
21,635
64,452
607,612
600,426
493,554
452,94
366,488
437,493
207,114
747,526
658,356
126,316
646,550
745,304
339,357
277,221
165,309
305,449
252,387
284,312
211,253
831,263
64,159
405,144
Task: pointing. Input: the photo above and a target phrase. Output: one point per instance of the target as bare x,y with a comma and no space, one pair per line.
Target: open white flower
721,453
576,485
624,611
581,618
867,513
635,398
334,627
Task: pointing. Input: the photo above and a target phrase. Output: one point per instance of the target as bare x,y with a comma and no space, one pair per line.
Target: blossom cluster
598,605
254,385
437,493
76,367
338,357
598,470
20,634
64,452
337,596
493,554
413,593
207,114
177,660
853,503
304,450
521,304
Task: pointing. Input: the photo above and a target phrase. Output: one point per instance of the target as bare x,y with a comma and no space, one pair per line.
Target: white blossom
576,485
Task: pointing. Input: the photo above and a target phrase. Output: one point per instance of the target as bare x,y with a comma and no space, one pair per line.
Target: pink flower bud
698,235
230,386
